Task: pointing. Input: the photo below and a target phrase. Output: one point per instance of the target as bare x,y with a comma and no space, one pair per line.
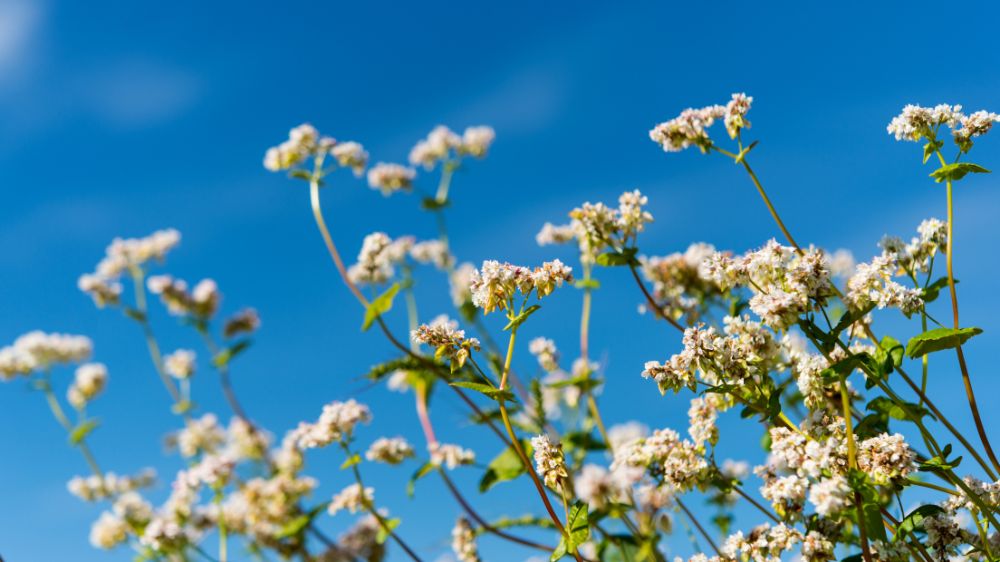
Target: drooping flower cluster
93,488
449,342
180,364
463,541
917,255
549,461
495,284
202,302
886,457
666,457
378,256
245,321
690,128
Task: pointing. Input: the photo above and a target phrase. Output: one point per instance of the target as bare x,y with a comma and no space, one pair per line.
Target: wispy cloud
19,24
135,93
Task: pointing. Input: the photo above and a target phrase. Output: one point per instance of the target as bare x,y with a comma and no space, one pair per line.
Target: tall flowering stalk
783,334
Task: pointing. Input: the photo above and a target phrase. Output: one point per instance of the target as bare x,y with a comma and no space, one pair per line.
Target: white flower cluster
916,256
93,488
121,255
545,351
442,144
449,342
378,256
335,423
353,498
180,364
690,128
549,461
746,352
596,226
463,541
664,455
391,178
305,142
495,284
460,284
202,302
38,350
784,283
764,543
88,381
680,286
433,252
450,456
201,435
389,450
886,457
873,285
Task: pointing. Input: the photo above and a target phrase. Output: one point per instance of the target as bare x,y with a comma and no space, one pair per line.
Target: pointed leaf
938,339
379,306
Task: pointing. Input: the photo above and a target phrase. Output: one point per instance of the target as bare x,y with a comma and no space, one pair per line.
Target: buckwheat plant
860,463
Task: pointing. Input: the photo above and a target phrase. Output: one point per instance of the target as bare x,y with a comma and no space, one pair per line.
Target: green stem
64,421
223,534
516,443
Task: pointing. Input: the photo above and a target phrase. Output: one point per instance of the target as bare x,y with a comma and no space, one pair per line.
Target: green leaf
300,174
578,525
613,259
914,521
420,473
385,529
889,354
351,461
938,339
873,521
520,318
382,370
134,314
930,148
940,463
932,291
505,466
379,306
223,358
743,153
583,440
294,527
492,392
585,383
81,431
906,411
560,551
957,171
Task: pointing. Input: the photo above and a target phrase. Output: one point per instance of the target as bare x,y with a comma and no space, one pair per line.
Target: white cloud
19,23
136,93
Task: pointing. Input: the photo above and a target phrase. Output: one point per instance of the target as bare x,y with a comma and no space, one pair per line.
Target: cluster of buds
122,256
336,423
202,302
88,381
449,342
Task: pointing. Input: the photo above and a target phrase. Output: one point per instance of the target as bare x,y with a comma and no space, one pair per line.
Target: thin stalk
325,232
516,444
966,379
652,302
60,415
756,504
852,460
697,525
373,511
223,532
595,413
138,284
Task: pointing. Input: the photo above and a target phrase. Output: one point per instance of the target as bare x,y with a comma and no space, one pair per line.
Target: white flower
336,422
390,178
916,122
89,380
180,364
886,457
463,542
830,495
351,155
389,450
450,456
549,461
108,531
495,284
202,435
476,141
353,498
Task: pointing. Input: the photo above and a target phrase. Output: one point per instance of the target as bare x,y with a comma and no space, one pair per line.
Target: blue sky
117,119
